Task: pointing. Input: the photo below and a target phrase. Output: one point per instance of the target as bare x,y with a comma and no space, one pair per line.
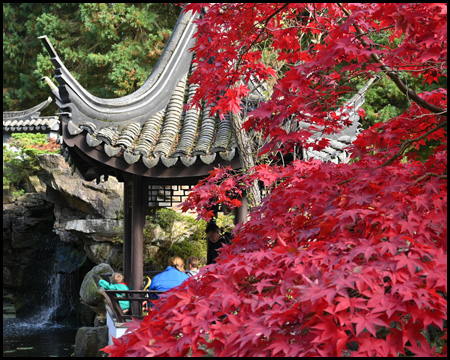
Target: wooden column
127,239
240,213
139,198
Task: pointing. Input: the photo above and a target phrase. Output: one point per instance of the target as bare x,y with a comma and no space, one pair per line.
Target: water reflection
22,339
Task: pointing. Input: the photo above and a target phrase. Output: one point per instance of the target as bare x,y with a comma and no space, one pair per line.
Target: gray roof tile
150,125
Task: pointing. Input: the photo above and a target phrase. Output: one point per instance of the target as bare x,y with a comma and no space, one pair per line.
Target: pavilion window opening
167,195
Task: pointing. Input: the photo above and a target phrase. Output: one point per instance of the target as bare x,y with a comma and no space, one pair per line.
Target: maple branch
403,147
385,28
246,49
427,175
408,142
423,115
264,26
394,76
245,155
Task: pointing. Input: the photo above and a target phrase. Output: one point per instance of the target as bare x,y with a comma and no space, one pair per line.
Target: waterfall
40,282
43,334
51,303
53,292
54,307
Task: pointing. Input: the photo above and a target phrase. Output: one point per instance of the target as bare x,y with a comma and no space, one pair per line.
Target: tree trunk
244,146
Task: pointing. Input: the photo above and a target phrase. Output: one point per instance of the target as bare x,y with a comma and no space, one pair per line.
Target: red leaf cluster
339,259
317,271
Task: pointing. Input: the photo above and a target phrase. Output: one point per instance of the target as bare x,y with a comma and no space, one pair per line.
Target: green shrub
188,248
186,244
20,159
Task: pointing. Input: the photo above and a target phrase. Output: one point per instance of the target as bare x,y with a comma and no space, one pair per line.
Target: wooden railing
137,298
151,274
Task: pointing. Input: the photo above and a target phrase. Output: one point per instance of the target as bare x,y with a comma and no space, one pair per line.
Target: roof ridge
152,97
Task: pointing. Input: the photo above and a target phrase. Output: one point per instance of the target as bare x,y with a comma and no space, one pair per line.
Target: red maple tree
339,259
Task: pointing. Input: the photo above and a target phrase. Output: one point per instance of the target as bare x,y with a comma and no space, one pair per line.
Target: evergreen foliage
110,48
184,245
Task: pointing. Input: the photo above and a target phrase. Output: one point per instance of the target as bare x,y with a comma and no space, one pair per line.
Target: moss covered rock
89,293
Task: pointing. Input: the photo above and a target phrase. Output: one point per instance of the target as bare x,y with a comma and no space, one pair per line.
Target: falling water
46,331
49,313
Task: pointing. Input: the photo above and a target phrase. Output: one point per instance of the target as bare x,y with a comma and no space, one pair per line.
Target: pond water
24,339
49,329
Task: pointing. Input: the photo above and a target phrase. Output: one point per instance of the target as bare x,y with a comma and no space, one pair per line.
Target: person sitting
117,284
192,265
173,276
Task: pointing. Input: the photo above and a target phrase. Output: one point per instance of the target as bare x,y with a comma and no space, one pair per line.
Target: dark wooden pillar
127,231
139,198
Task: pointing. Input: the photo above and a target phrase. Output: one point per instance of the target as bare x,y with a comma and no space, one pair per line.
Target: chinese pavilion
148,141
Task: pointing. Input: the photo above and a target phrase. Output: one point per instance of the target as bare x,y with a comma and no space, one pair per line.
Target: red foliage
339,259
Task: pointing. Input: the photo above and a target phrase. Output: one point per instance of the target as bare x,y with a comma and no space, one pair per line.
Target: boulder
150,251
32,184
98,230
68,259
89,341
105,253
103,200
89,293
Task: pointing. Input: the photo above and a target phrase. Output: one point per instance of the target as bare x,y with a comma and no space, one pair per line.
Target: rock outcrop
33,256
89,341
103,200
66,223
84,211
97,236
27,229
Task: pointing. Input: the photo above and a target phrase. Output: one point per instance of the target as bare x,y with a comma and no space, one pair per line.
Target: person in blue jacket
173,276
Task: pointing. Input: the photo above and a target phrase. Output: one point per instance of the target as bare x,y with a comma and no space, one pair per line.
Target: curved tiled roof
33,125
29,120
168,136
151,125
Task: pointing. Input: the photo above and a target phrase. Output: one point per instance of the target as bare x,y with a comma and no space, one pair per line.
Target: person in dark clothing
215,241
